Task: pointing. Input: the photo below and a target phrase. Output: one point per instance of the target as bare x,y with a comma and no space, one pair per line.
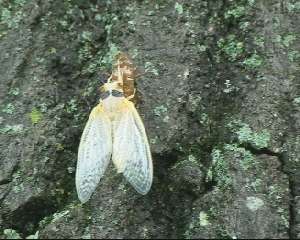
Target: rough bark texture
219,96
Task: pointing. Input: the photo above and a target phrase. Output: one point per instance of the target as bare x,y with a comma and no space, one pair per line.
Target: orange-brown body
124,73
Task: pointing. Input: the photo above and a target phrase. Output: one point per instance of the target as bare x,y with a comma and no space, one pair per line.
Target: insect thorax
111,89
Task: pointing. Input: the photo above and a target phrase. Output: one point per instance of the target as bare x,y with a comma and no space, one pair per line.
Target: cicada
114,131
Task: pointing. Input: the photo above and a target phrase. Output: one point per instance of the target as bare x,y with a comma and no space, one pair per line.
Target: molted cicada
114,131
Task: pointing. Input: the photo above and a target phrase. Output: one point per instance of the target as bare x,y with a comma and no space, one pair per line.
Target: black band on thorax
114,93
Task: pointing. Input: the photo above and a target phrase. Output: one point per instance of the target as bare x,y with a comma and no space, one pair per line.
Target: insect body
114,131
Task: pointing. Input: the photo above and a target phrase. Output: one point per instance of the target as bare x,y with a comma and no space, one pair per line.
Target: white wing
131,151
94,153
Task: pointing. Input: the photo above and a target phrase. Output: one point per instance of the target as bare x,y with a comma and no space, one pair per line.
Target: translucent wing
94,153
131,151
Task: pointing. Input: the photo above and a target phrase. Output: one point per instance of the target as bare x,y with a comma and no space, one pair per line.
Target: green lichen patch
254,203
285,40
219,171
178,8
246,157
9,109
259,41
33,236
253,62
231,47
294,55
293,7
235,12
150,67
245,135
12,129
160,109
35,116
203,219
11,13
296,100
11,234
110,55
14,91
288,40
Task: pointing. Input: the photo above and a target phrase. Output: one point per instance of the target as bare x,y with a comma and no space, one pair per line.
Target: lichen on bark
218,94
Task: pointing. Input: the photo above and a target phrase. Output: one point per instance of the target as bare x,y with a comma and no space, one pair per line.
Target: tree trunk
218,94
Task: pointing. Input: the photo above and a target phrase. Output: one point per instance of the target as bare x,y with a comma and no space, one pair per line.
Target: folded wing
131,151
94,153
